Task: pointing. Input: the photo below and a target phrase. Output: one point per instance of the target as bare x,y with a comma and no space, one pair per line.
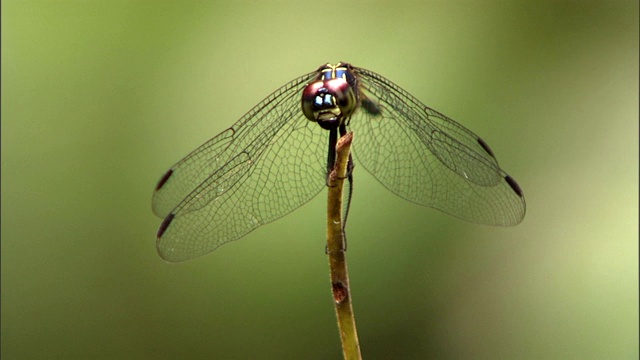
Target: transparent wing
427,158
267,164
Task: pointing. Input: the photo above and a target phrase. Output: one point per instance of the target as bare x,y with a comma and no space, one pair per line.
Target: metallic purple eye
329,102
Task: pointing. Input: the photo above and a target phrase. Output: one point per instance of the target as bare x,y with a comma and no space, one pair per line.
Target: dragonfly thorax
330,99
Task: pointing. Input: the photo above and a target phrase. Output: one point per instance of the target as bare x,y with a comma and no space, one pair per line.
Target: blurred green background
99,98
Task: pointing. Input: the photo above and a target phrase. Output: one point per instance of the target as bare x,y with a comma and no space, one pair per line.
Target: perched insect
275,158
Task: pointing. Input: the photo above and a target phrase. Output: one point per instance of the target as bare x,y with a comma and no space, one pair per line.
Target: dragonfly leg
347,204
331,153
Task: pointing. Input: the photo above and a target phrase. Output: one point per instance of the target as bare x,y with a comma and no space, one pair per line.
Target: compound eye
344,94
310,99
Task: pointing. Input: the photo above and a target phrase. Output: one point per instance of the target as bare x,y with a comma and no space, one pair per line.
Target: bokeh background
99,98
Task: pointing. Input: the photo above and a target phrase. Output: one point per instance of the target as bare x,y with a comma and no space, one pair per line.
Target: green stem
337,256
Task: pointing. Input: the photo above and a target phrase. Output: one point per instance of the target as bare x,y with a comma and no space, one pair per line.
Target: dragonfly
277,157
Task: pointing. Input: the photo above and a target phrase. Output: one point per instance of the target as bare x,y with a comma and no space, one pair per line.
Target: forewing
427,158
266,165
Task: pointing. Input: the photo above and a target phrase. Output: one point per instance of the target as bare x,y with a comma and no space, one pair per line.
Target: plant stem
336,252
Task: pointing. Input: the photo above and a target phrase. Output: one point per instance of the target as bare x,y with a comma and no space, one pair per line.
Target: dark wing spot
370,107
165,224
486,147
164,179
514,185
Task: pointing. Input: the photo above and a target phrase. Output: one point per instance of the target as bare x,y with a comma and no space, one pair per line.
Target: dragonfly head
331,98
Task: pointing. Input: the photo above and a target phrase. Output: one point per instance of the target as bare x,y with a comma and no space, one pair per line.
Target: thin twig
337,257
